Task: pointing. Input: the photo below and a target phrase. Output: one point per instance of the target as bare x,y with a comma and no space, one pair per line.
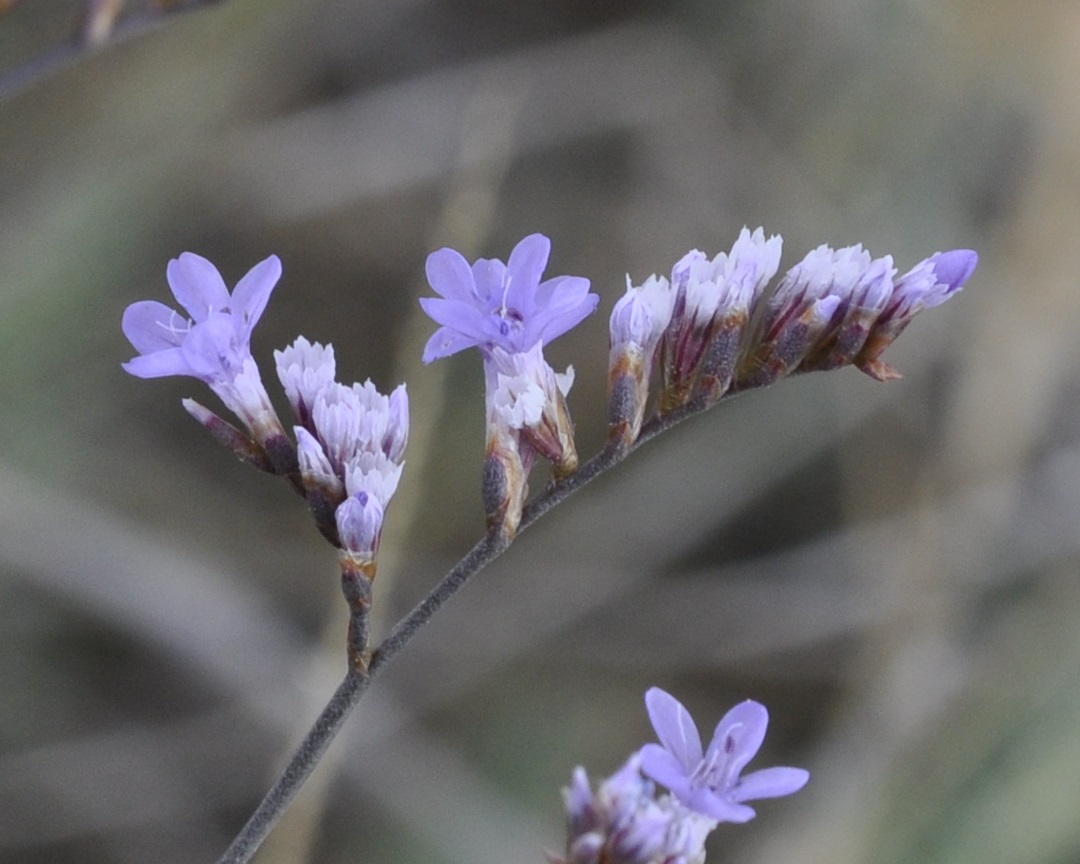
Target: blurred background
891,569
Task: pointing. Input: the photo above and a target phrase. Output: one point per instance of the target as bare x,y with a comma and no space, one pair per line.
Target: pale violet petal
660,765
674,727
524,268
151,326
197,285
252,293
955,267
449,275
170,361
444,342
770,783
739,735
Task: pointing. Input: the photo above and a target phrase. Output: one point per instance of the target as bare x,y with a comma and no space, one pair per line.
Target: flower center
714,771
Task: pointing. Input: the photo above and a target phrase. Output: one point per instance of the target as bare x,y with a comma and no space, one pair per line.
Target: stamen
171,326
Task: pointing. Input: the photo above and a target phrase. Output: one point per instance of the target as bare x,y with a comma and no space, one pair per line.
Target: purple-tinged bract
359,522
491,304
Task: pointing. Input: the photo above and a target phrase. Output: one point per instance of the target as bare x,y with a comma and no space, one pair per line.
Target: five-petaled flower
491,304
709,782
214,344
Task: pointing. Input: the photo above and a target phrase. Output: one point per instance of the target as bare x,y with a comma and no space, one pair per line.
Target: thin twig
348,694
300,766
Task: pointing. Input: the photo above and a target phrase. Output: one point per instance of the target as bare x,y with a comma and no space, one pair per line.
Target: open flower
214,343
709,782
492,304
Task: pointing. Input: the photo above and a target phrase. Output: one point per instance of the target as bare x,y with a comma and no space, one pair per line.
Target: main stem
356,681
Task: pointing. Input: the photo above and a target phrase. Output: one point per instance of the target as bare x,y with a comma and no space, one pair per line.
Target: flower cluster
509,314
350,440
712,328
351,443
626,821
833,308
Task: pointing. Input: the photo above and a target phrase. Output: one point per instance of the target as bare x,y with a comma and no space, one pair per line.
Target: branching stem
356,682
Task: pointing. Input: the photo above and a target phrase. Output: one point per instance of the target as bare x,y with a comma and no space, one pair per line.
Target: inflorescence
711,330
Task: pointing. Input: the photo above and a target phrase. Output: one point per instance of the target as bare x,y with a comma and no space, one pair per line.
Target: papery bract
359,523
637,324
304,369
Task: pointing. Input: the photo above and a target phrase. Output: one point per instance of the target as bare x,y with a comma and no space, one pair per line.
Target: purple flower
494,304
214,343
709,782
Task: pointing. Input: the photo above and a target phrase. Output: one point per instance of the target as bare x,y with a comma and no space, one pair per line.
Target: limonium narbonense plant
710,330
